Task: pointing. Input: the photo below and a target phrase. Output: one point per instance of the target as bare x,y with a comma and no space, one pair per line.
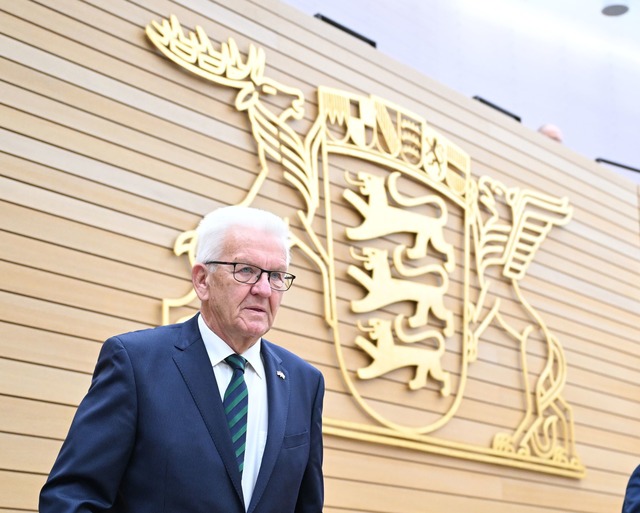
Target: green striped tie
236,405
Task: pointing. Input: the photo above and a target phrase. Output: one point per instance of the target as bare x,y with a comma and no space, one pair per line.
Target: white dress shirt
257,416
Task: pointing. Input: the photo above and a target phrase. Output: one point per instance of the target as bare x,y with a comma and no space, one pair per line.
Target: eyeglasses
251,274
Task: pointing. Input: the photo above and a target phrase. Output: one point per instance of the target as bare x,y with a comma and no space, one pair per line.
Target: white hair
214,227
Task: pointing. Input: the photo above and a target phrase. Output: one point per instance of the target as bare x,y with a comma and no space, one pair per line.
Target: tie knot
236,362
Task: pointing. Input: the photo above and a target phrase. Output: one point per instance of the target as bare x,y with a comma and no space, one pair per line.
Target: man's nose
262,286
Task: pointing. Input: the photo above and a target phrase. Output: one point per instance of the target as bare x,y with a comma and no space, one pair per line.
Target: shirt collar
218,350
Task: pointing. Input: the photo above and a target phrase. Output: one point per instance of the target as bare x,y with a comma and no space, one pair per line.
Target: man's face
241,313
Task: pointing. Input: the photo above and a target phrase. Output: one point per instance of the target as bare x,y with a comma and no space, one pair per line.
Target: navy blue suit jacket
151,436
632,496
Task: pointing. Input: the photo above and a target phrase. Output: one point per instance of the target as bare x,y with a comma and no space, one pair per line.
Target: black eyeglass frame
287,277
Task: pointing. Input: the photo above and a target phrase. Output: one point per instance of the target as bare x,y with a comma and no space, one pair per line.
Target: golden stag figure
275,139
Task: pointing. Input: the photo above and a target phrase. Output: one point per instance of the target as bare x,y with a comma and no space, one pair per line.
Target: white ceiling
557,61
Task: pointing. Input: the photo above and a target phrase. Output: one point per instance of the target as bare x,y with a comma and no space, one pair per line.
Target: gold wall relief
427,262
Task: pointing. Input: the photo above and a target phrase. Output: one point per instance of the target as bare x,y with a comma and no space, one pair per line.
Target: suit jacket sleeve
632,496
93,458
311,495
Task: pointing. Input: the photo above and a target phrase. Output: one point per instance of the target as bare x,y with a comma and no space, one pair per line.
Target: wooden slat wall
108,151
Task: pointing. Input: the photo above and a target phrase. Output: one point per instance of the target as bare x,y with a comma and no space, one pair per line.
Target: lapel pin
280,374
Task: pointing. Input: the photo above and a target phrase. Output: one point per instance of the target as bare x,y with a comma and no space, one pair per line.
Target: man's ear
199,274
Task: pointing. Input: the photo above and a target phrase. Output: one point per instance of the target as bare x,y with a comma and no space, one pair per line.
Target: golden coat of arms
418,259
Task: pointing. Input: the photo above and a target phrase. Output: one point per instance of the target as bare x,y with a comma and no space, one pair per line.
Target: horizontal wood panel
93,269
35,418
87,240
27,453
20,490
598,481
27,344
31,381
376,498
182,158
58,318
87,187
79,294
410,475
77,210
450,482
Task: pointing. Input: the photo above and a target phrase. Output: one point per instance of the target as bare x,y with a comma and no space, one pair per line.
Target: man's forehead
250,242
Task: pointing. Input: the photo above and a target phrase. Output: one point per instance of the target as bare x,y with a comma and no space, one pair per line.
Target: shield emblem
401,262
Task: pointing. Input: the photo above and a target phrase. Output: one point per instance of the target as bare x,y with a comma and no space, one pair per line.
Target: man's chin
257,327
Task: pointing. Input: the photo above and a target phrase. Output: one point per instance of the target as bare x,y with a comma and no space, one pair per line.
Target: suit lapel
278,390
194,365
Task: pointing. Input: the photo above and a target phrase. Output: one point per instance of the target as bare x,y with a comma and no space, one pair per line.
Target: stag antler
276,140
196,53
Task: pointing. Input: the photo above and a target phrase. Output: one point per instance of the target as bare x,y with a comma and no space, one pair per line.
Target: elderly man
205,416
